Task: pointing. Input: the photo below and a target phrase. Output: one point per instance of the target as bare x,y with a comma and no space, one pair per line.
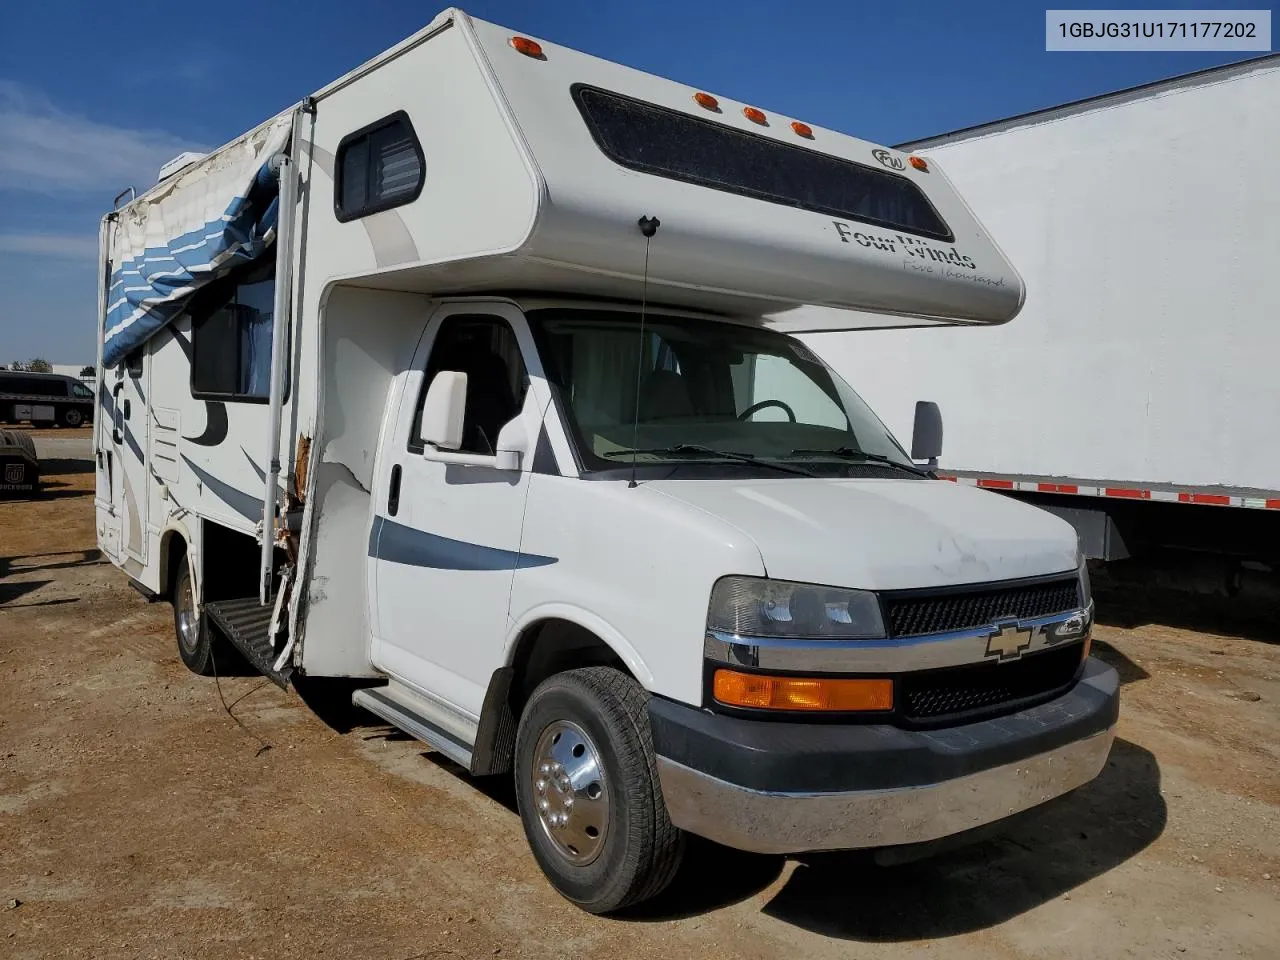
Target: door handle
393,492
117,418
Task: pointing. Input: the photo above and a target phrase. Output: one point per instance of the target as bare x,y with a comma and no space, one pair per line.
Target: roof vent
178,164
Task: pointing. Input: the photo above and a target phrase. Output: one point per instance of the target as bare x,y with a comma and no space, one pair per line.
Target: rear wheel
195,639
588,792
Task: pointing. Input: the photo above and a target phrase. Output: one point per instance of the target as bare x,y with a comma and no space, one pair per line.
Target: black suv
44,399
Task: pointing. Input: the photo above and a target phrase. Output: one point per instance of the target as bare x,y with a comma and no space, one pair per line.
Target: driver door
445,542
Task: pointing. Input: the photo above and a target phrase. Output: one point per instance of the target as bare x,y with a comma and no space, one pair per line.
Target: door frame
394,441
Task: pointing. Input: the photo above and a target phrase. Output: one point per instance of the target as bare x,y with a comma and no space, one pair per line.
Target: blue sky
94,95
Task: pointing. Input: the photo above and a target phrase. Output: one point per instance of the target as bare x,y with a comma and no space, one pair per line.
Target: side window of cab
483,347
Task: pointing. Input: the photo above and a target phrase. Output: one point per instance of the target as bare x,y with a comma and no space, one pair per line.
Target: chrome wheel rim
570,793
188,622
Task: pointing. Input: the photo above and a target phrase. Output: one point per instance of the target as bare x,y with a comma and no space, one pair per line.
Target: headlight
755,607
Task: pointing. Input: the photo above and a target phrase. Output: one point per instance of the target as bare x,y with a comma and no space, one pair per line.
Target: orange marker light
530,48
706,100
918,163
755,116
802,129
801,693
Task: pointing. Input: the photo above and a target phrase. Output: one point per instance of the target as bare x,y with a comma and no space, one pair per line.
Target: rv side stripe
1128,493
1057,488
1120,493
1214,499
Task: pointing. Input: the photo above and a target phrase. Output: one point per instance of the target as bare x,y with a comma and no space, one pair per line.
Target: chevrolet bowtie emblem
1009,641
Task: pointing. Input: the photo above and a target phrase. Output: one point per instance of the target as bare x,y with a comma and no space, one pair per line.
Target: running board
245,623
405,710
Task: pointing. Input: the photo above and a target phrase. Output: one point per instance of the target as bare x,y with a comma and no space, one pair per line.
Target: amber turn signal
760,692
707,101
530,48
919,164
754,115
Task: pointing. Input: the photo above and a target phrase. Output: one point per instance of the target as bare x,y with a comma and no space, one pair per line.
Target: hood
889,534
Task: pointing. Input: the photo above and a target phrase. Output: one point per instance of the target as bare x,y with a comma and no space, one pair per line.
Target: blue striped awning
215,215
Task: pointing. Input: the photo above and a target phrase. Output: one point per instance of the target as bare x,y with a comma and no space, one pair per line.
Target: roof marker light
802,129
707,101
919,164
530,48
755,116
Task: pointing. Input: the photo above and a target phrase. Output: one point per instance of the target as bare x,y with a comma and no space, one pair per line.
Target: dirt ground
138,819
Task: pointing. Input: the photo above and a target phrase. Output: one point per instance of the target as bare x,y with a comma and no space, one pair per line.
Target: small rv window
231,338
378,167
669,143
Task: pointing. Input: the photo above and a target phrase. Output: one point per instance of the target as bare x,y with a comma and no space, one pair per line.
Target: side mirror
926,434
443,409
513,444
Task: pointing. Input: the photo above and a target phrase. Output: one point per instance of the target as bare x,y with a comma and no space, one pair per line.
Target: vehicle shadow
1039,857
329,698
1128,670
1126,601
1019,865
63,466
710,877
52,561
12,591
61,493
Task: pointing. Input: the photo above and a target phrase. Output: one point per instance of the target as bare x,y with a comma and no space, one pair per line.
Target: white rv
456,379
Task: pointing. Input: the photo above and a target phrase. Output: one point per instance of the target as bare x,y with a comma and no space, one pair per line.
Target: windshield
708,391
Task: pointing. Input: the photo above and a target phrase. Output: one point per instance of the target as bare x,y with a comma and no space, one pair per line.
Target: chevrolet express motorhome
470,378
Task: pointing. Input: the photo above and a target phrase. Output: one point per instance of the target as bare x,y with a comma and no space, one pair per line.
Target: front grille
952,692
910,615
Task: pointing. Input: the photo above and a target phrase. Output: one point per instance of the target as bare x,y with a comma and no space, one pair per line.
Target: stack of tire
19,466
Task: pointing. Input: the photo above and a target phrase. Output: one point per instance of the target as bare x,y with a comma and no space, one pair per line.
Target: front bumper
782,787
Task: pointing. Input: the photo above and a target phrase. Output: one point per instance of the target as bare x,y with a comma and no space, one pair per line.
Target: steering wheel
791,414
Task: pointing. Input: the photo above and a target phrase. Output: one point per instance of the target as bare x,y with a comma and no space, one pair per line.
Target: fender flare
611,636
173,526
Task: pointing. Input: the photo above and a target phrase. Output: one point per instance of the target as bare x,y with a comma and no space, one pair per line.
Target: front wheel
588,792
71,417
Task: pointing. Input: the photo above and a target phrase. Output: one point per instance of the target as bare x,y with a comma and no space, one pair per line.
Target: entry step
246,624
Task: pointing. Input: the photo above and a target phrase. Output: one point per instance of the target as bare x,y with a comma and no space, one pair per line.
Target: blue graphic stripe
396,543
262,474
242,503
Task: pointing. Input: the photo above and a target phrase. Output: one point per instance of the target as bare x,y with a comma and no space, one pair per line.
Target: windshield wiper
862,456
685,449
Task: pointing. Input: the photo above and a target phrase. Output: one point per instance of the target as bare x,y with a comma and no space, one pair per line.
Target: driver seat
664,395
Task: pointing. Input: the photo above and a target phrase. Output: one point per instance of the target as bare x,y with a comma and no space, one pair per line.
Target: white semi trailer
1136,394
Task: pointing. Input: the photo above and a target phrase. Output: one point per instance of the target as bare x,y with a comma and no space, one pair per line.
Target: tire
72,417
192,633
600,713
